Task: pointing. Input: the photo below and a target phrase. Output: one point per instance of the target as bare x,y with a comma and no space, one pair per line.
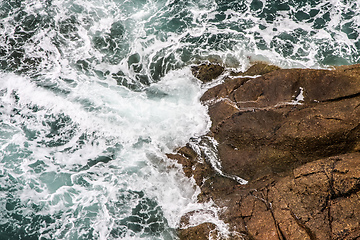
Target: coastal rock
318,200
203,231
321,197
207,72
284,119
259,68
192,165
294,134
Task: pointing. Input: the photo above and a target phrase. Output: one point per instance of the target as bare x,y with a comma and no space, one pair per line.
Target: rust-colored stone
295,135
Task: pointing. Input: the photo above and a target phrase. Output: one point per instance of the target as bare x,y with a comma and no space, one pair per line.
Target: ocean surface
94,93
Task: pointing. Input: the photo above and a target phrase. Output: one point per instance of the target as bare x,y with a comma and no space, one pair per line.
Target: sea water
94,93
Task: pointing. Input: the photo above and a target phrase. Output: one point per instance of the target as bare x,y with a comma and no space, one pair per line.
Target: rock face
286,117
294,134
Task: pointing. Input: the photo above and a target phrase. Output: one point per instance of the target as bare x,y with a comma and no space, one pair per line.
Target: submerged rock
295,135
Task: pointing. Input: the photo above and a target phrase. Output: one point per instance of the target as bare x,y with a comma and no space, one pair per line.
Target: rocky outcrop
284,119
207,72
294,134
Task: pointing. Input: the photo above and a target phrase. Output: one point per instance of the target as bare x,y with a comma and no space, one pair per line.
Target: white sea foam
120,117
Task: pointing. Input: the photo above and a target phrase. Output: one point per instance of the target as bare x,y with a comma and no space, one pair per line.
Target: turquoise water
93,94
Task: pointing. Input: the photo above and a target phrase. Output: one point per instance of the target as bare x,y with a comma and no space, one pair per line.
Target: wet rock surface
207,72
294,134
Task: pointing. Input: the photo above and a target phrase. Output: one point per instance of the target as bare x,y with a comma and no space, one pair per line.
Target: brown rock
345,213
283,86
260,224
302,205
206,230
207,72
259,68
309,198
289,226
193,165
201,232
216,186
223,90
262,127
221,111
295,135
319,200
